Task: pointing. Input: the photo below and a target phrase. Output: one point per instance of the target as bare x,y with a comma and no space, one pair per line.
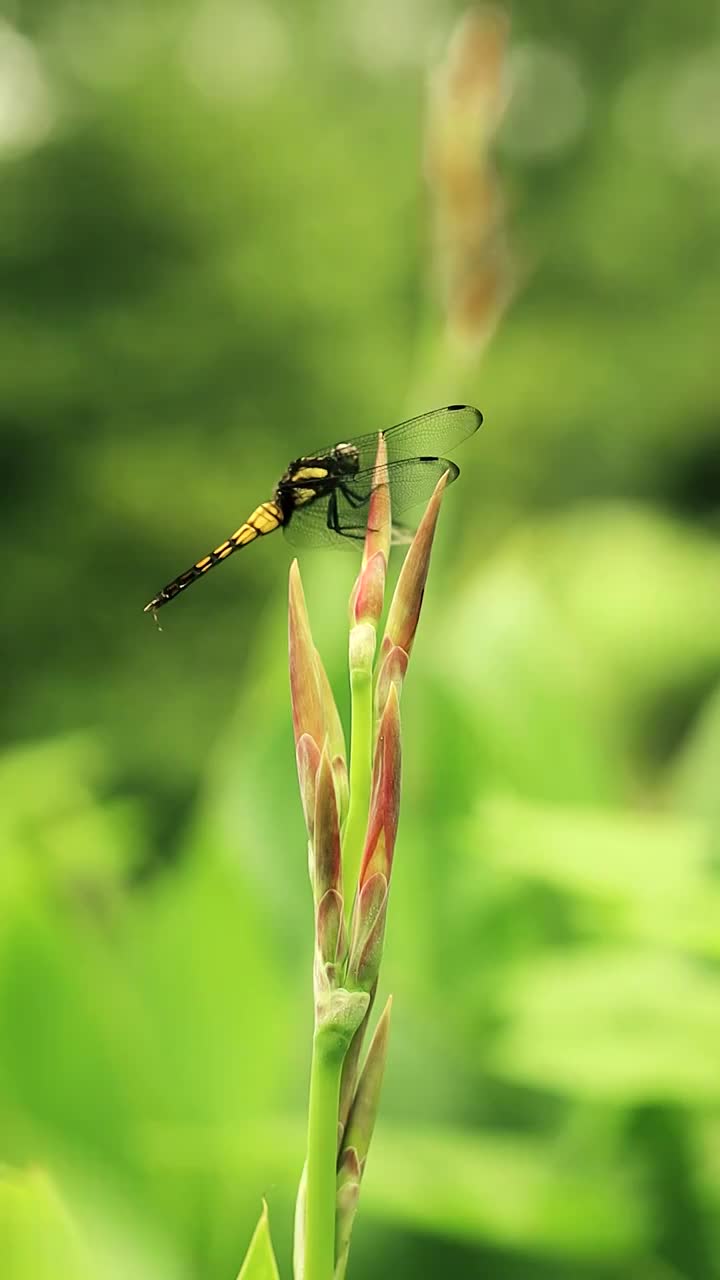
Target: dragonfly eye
348,455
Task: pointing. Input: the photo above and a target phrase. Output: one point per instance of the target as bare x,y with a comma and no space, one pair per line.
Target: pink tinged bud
350,1070
379,522
305,688
368,928
329,927
342,786
307,754
407,601
391,675
331,715
326,832
385,795
363,1114
368,933
366,602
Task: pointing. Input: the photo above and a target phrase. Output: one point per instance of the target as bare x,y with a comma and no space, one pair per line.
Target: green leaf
617,1025
260,1261
636,875
511,1190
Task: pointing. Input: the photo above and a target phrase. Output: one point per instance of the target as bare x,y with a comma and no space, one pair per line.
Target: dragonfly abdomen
264,519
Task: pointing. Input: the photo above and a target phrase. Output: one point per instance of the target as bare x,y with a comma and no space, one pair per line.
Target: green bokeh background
214,255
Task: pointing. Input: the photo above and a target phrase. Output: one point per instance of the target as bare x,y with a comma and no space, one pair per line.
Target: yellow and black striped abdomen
264,519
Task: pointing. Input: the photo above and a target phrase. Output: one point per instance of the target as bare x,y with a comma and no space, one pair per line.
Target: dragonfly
322,499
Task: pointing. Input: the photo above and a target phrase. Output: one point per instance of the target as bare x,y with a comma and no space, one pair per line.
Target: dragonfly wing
309,526
340,518
411,481
437,432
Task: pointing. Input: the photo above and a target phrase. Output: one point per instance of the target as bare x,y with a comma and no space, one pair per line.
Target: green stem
360,776
322,1159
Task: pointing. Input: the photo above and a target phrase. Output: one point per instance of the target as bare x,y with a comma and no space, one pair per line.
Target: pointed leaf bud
351,1067
407,600
379,523
363,1113
385,796
307,754
346,1203
392,673
326,832
331,716
305,691
366,601
368,933
342,786
330,926
259,1259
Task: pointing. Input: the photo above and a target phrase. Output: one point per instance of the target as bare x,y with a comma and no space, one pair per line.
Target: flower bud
326,832
362,649
363,1113
404,612
391,675
385,796
368,933
331,716
307,755
305,691
366,601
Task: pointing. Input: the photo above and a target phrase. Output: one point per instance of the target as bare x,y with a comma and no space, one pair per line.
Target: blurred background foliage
229,230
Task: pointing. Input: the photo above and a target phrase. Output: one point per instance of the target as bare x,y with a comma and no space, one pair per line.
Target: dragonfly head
347,457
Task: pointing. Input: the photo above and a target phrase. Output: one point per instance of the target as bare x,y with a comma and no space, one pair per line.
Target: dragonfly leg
353,499
333,518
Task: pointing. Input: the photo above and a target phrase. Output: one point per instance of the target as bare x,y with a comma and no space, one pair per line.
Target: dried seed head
468,96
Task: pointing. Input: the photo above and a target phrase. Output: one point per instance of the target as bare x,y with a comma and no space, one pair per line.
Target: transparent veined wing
340,517
434,433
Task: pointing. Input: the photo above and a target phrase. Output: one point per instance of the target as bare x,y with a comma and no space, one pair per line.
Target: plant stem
322,1159
360,773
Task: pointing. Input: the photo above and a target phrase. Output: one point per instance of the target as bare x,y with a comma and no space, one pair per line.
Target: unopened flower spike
351,873
366,605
